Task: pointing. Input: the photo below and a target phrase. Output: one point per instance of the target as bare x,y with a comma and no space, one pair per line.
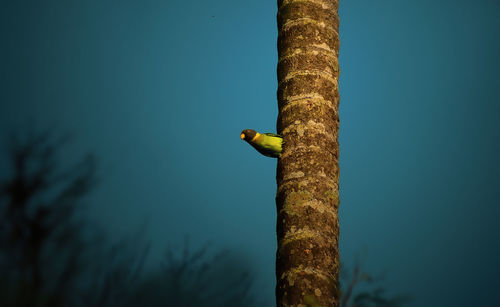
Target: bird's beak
242,136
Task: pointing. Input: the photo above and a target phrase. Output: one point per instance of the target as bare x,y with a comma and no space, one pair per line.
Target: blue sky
160,90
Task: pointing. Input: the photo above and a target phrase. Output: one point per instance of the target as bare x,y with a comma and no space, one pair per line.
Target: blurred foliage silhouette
370,295
195,279
51,256
41,240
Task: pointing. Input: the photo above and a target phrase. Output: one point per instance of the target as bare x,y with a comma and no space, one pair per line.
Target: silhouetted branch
350,288
368,298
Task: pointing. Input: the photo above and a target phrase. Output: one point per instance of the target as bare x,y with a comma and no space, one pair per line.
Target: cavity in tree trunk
307,260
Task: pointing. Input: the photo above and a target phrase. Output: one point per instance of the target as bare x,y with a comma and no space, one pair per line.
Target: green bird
268,144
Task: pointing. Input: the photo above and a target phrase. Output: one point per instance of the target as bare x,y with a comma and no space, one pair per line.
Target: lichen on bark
307,260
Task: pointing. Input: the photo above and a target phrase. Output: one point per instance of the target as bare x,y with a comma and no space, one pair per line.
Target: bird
268,144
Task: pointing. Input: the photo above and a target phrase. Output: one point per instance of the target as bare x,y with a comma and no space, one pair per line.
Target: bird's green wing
273,134
268,144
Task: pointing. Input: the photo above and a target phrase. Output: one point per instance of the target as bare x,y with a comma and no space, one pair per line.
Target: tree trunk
307,260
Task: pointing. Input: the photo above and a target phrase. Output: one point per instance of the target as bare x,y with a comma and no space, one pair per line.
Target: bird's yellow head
248,134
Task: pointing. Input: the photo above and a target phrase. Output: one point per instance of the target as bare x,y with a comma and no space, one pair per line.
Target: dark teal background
160,90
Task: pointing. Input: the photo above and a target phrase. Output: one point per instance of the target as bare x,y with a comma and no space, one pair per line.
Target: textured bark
307,260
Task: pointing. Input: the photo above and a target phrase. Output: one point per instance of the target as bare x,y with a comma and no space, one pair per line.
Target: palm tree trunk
307,260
